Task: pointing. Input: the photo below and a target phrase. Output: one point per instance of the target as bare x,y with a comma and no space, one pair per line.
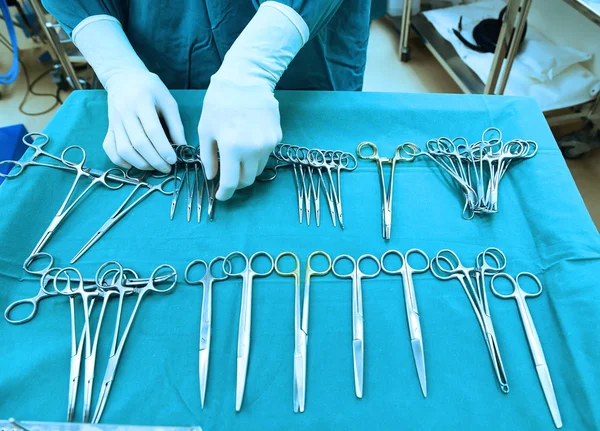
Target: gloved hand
136,98
240,115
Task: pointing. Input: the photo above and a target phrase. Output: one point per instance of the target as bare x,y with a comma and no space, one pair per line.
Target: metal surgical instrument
299,336
535,346
65,208
446,266
157,283
32,140
387,194
206,281
247,273
410,302
123,210
358,342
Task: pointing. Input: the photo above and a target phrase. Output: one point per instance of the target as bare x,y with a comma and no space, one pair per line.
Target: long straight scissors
206,281
124,209
157,283
358,337
535,346
247,273
299,335
401,154
65,208
446,265
410,303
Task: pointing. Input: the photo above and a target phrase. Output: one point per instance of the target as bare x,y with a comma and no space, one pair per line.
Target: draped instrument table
542,227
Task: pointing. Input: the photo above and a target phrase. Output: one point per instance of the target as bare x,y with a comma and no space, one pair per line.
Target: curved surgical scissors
206,281
410,303
358,337
387,194
446,266
535,346
243,349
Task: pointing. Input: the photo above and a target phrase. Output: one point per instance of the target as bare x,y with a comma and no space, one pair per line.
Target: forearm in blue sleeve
69,13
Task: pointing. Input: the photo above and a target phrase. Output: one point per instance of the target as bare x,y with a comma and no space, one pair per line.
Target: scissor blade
417,348
203,373
299,383
358,353
546,382
242,368
73,383
89,384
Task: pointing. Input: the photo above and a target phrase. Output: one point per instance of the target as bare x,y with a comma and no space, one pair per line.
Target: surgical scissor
206,281
410,302
124,209
401,155
358,341
299,335
247,273
65,208
157,283
446,266
535,346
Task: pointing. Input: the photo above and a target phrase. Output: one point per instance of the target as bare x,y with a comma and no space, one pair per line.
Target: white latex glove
240,115
136,98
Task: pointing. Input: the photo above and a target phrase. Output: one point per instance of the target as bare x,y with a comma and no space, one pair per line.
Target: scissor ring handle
370,257
31,315
191,265
15,171
338,259
161,187
309,268
293,273
402,154
386,269
420,252
535,279
371,146
101,274
348,166
33,258
494,253
268,256
106,181
33,136
68,290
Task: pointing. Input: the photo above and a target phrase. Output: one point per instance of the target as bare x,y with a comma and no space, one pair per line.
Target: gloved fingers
248,171
264,159
142,144
167,106
229,178
110,148
126,151
208,152
156,134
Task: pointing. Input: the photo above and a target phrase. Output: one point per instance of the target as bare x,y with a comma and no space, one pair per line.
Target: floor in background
384,72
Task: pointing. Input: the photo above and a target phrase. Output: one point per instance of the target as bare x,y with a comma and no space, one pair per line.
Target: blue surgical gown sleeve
69,13
316,13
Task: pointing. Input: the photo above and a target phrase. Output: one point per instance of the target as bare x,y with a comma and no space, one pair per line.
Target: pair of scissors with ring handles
410,303
206,281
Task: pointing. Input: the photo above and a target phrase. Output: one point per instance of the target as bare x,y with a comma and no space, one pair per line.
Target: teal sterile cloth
542,226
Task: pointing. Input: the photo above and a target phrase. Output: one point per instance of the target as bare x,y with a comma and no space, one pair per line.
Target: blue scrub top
184,41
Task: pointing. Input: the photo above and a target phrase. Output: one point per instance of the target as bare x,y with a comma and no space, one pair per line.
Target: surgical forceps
401,155
86,294
65,208
30,141
446,266
157,283
123,210
46,277
358,337
535,346
206,281
410,303
247,273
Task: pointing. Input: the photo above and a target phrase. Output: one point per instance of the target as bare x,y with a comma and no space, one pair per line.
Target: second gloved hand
240,115
243,123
